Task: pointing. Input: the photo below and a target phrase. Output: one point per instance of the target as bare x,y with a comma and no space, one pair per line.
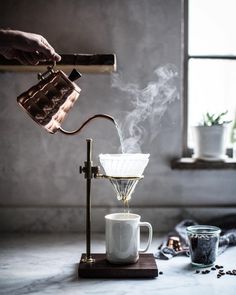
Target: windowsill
195,164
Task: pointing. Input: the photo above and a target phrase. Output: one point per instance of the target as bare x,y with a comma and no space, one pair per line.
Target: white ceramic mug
123,237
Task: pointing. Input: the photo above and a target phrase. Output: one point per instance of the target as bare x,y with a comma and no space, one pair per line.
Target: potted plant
209,137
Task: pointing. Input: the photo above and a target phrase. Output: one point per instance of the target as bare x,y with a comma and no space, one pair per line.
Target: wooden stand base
145,268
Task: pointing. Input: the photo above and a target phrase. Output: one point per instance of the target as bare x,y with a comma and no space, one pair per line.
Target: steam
147,105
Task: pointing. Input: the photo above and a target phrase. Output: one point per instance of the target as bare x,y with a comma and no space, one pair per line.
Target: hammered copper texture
48,102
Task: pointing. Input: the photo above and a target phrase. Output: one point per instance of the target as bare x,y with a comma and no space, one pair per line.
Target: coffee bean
203,251
221,271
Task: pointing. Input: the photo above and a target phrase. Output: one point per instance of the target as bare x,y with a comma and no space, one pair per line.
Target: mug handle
148,225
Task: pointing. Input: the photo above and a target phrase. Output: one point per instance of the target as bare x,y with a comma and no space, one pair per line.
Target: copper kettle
49,101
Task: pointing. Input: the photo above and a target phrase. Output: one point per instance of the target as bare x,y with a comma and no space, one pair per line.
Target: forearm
6,38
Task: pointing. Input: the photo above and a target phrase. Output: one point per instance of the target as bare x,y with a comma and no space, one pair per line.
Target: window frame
188,152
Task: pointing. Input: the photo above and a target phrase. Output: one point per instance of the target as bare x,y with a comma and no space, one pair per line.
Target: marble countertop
47,264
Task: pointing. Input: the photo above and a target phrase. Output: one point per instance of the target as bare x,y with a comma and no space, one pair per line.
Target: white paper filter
124,165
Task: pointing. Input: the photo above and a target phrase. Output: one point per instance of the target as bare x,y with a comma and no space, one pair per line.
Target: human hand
27,48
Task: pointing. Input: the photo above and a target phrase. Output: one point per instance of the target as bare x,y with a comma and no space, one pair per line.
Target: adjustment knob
80,169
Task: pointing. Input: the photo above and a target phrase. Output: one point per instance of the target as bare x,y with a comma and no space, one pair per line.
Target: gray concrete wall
39,170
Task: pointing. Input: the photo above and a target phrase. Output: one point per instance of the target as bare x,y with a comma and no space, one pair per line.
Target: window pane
212,88
212,26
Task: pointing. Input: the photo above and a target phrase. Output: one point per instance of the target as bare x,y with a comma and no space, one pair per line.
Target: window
209,62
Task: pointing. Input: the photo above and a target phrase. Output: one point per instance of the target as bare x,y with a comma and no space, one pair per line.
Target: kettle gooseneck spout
104,116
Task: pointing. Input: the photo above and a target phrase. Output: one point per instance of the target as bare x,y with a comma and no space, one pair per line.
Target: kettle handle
46,74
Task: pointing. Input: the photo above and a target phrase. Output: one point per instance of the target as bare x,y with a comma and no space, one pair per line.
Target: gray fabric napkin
227,224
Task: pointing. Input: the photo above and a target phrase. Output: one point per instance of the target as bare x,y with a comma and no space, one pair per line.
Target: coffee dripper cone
124,171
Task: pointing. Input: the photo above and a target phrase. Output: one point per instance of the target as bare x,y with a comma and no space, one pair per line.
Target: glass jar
203,244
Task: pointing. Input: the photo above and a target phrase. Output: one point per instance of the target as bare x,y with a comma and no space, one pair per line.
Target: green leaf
214,119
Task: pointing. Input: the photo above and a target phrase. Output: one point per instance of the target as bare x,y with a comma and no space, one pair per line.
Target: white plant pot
209,142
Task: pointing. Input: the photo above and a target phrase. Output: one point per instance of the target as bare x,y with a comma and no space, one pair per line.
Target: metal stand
89,172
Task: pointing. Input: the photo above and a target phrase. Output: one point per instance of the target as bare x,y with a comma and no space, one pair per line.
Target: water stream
126,205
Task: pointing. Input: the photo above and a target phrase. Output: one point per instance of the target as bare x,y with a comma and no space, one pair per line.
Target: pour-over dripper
124,171
124,187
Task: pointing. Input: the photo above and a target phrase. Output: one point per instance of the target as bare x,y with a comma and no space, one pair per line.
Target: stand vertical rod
88,201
